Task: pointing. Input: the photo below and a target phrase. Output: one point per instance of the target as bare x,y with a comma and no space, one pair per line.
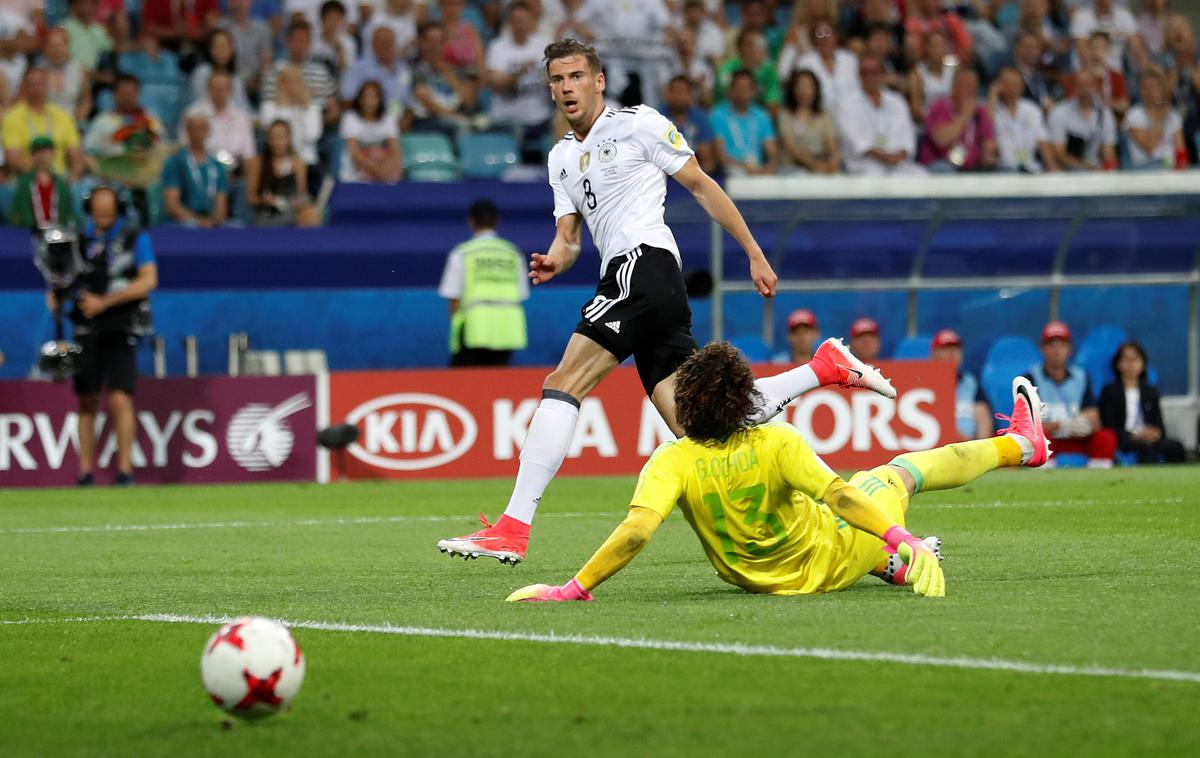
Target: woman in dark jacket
1130,406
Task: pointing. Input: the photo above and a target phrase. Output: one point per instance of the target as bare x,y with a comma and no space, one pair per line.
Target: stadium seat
913,348
1008,356
487,155
429,157
1095,353
300,362
752,346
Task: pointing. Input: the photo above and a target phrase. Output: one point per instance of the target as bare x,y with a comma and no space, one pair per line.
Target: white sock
545,447
1025,445
779,390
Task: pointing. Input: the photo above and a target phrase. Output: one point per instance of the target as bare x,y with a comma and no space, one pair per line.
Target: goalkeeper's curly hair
714,393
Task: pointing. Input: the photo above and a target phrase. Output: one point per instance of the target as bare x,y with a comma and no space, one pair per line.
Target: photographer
110,314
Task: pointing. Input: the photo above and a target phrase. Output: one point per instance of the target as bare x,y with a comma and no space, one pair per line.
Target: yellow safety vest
490,315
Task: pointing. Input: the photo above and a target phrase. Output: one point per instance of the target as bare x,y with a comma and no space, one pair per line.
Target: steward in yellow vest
485,281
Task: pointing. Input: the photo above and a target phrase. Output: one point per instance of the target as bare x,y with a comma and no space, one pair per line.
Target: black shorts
641,309
109,361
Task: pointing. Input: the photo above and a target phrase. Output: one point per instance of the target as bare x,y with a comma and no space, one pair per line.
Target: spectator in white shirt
1020,127
311,11
877,132
1082,131
334,46
220,55
371,139
930,80
835,68
295,106
710,43
68,81
1152,26
231,129
252,39
690,65
1106,16
401,17
571,18
631,38
1155,129
515,75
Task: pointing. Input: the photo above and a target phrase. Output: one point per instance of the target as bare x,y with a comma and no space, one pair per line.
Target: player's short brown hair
714,393
569,48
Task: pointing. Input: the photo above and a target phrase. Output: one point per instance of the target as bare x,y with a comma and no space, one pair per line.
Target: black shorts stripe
641,309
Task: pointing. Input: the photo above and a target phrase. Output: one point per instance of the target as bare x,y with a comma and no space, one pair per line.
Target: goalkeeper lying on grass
771,516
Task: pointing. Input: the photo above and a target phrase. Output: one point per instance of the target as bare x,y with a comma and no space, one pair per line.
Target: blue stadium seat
752,346
429,157
487,155
913,348
1095,353
1008,356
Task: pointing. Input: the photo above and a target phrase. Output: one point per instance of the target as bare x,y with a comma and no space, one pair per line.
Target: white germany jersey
615,178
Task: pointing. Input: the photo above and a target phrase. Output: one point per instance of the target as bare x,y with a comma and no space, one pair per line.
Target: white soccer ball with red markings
252,667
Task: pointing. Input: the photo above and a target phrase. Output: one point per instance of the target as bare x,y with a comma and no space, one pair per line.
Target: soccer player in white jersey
611,171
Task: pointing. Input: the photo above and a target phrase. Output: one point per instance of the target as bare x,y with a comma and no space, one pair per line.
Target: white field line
604,514
718,648
267,524
1053,503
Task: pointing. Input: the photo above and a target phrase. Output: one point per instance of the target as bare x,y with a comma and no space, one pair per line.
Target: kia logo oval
411,431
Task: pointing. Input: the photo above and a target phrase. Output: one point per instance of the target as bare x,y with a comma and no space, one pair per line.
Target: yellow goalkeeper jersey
752,501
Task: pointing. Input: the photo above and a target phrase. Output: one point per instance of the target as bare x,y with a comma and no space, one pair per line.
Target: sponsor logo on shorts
614,325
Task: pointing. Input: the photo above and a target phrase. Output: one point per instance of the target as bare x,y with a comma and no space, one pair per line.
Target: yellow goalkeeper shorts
860,552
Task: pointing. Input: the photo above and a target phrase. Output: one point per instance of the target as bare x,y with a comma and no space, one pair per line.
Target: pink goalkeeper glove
572,590
924,571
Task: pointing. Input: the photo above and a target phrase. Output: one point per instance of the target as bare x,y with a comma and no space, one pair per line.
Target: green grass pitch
1068,571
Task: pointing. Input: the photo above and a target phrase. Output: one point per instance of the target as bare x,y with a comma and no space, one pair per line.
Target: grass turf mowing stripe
722,648
100,528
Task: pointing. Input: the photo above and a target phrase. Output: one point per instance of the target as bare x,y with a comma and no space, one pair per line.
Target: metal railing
792,201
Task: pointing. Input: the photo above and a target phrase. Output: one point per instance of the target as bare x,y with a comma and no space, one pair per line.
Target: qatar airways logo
259,437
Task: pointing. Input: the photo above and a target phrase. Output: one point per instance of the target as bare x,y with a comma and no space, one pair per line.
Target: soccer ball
252,667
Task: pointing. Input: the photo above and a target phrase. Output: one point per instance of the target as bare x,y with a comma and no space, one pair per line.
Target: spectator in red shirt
178,24
959,133
864,339
926,15
1110,82
803,333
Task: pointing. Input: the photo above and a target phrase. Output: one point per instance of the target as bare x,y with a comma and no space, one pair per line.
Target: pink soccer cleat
833,363
1026,420
506,541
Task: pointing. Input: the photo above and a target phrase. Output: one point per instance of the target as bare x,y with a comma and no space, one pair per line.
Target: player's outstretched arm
621,547
859,511
563,252
721,209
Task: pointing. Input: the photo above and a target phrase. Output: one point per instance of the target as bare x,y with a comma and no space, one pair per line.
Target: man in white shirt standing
1084,133
632,35
611,172
514,72
1020,127
1107,16
231,132
876,127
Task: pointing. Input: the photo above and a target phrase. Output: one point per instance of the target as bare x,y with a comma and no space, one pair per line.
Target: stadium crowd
1114,415
236,111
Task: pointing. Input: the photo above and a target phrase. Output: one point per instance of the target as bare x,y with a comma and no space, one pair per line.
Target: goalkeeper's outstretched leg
1023,443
